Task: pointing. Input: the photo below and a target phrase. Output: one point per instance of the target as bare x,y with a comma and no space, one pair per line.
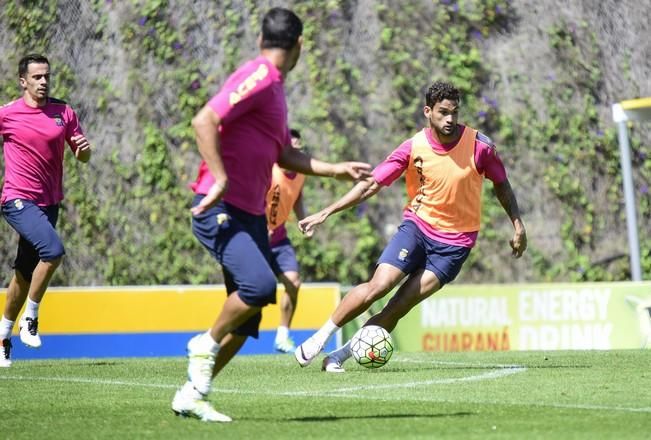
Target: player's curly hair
439,91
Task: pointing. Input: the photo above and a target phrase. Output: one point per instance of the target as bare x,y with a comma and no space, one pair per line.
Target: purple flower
176,45
481,114
142,21
489,101
550,77
600,133
195,84
476,34
644,189
446,2
498,10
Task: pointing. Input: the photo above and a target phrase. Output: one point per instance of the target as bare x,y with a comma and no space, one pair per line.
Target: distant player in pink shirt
241,133
444,165
35,129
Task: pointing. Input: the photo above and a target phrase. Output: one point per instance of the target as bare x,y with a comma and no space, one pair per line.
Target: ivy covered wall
537,77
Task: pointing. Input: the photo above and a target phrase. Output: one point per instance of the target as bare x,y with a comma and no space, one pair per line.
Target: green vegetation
356,94
568,395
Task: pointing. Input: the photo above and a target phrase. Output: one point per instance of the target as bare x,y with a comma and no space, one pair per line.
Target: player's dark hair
29,59
281,29
295,133
439,91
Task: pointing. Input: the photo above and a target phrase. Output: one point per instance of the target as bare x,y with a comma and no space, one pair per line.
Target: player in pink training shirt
241,133
35,129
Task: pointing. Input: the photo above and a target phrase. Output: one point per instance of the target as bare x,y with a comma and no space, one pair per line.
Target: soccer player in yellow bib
285,195
444,165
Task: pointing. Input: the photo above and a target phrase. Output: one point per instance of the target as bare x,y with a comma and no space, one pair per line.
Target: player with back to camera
35,129
285,194
444,165
241,132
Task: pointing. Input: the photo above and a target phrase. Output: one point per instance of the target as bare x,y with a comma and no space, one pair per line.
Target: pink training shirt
487,162
34,142
253,133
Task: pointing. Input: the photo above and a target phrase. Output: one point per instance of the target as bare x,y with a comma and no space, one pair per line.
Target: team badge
18,204
402,256
58,119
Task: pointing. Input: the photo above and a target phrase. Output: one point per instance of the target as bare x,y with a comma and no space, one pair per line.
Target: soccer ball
371,346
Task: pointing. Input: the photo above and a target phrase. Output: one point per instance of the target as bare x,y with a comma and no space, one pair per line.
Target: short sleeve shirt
34,142
253,132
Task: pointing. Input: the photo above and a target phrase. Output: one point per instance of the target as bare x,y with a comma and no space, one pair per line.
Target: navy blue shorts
284,257
239,241
38,238
410,250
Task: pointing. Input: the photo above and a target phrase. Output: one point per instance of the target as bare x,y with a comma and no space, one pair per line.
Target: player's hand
81,143
352,170
215,193
518,242
309,223
82,147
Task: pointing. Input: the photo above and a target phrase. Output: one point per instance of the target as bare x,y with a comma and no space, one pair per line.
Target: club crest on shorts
18,204
402,256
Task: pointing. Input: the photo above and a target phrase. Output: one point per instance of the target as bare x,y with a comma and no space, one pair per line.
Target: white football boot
188,406
307,351
29,332
331,364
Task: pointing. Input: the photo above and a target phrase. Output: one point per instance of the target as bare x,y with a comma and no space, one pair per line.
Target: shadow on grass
377,416
47,363
478,367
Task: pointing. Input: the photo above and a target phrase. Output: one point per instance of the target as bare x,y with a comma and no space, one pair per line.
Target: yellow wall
161,309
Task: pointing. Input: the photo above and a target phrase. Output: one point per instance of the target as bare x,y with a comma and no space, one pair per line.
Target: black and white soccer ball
372,346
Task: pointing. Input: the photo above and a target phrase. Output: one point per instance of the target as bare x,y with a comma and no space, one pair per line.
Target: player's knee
293,287
376,290
55,262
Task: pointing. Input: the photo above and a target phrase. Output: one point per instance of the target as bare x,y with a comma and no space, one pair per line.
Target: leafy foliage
356,94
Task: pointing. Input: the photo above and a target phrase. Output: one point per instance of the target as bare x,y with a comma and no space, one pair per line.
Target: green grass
512,395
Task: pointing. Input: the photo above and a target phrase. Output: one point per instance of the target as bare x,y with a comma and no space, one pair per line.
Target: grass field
512,395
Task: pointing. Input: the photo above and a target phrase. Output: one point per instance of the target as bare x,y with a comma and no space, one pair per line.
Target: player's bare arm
507,199
82,148
299,207
361,191
295,160
205,125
